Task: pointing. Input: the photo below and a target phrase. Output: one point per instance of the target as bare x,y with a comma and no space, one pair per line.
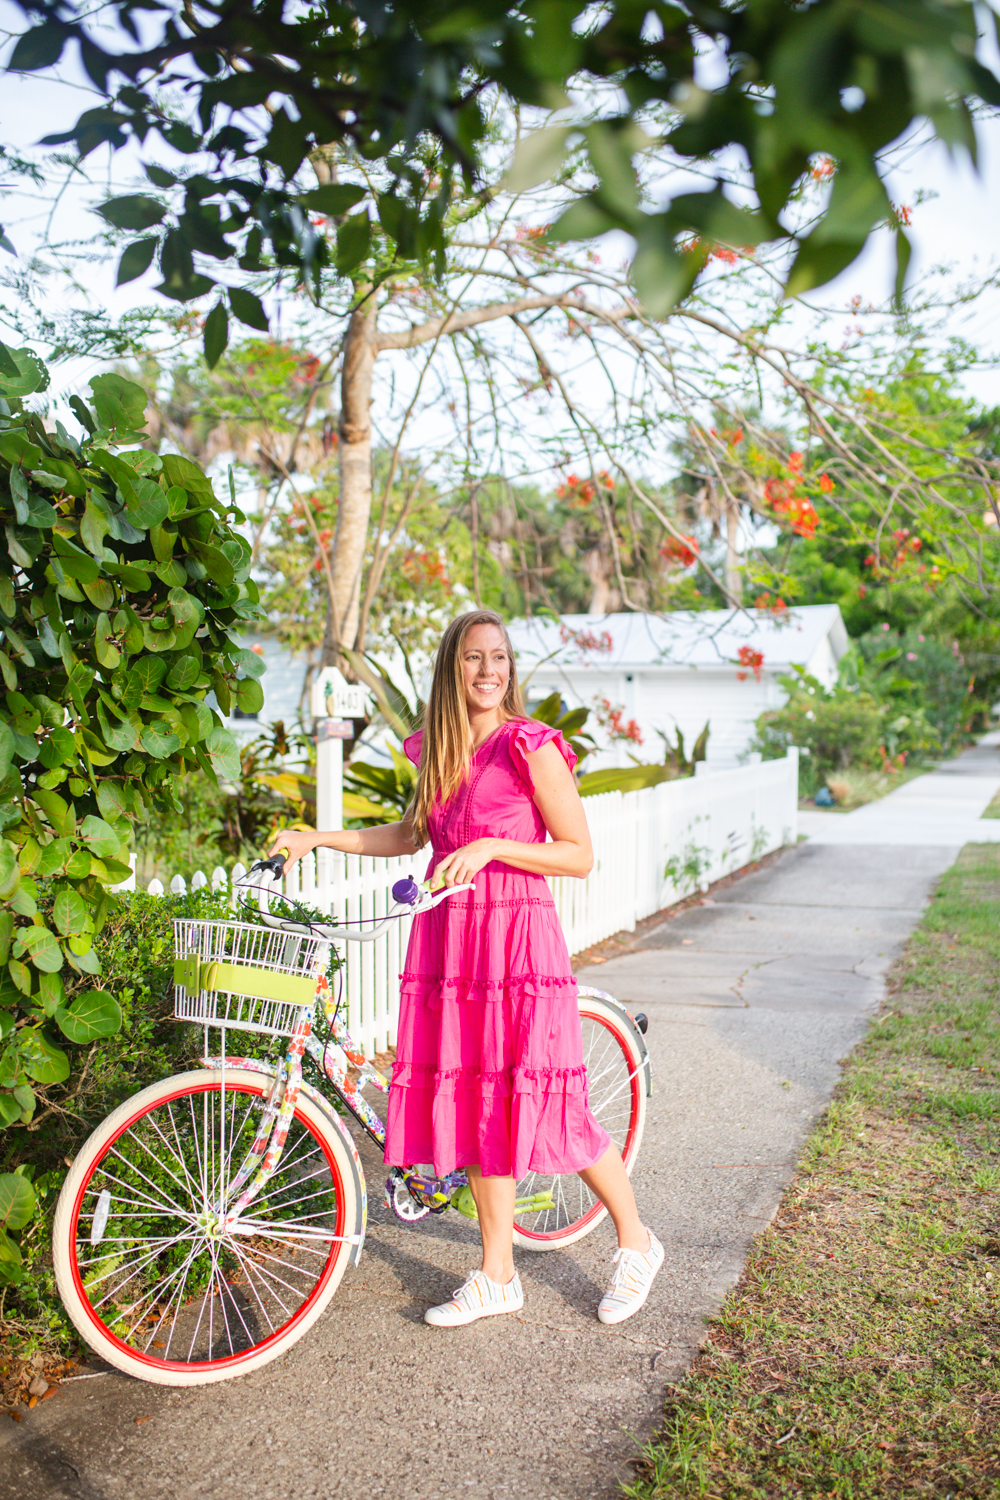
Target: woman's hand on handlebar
293,844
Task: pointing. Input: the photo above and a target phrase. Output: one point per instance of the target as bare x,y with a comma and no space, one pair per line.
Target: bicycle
206,1224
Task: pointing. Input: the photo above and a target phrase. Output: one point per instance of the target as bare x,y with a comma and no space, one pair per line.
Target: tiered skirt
489,1067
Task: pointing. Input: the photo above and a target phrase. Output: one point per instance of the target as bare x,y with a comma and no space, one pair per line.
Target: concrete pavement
753,998
943,807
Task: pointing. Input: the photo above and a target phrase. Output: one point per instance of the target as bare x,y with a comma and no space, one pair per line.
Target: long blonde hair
446,752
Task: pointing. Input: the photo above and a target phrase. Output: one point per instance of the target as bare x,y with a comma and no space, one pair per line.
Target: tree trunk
354,510
734,563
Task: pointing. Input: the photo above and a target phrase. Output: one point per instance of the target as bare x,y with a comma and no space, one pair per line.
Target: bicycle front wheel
151,1280
616,1087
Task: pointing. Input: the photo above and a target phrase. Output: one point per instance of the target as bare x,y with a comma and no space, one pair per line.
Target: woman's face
485,668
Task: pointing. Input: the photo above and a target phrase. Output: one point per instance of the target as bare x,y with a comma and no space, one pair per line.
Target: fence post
128,884
330,737
334,696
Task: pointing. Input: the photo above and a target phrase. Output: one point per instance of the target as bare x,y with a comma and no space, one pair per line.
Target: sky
956,226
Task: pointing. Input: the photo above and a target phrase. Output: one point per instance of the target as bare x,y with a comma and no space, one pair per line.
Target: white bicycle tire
69,1281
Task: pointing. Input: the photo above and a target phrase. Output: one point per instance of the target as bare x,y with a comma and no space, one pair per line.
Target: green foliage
276,788
674,754
405,90
17,1205
836,729
915,676
376,794
120,580
884,509
685,870
901,695
206,825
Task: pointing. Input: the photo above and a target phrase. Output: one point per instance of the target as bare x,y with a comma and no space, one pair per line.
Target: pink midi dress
489,1060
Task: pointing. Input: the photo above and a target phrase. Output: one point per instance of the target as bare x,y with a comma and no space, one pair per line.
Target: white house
679,670
670,671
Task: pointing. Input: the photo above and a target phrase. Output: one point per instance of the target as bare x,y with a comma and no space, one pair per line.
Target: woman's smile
485,667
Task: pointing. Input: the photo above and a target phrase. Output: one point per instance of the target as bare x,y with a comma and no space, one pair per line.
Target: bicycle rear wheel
617,1093
151,1281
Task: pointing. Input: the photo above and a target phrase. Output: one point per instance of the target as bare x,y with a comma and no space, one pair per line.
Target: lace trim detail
458,904
435,981
513,1080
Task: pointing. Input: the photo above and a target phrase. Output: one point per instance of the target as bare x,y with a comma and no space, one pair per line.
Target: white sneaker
631,1280
477,1297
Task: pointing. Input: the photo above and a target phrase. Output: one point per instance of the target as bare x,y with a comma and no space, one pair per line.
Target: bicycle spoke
264,1274
244,1267
115,1152
290,1202
154,1206
153,1297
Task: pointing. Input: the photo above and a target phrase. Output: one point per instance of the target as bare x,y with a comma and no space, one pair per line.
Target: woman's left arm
558,801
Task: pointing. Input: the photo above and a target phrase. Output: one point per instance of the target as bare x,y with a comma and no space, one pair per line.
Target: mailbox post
335,702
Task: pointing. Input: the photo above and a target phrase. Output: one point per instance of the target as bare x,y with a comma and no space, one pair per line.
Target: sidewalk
941,808
752,1000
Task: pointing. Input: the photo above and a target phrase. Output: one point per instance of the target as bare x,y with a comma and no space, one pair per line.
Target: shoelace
624,1268
466,1283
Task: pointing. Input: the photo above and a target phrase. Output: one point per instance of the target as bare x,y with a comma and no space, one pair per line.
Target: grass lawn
859,1355
993,811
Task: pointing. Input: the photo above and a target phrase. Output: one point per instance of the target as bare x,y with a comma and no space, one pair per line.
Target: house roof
705,639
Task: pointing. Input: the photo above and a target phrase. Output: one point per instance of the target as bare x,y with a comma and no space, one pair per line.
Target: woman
489,1070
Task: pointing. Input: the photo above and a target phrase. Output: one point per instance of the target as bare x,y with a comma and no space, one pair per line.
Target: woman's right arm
387,841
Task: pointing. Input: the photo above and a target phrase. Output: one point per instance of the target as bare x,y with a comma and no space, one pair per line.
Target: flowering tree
523,364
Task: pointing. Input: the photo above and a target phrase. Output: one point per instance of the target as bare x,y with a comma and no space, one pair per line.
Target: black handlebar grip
275,864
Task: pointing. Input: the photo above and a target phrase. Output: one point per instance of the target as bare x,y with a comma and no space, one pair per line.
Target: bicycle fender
253,1065
647,1067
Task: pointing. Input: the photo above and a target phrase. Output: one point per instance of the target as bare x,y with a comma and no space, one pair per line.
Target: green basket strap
195,973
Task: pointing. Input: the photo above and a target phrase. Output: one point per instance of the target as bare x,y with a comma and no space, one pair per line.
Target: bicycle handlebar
409,900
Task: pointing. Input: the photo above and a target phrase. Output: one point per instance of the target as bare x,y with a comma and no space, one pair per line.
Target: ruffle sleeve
531,735
411,746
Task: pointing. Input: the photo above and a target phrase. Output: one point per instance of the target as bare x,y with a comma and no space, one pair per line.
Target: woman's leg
609,1180
495,1205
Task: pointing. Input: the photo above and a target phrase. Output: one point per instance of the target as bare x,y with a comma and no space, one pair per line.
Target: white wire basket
244,976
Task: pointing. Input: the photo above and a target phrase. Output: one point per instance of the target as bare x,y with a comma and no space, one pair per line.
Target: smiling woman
489,1072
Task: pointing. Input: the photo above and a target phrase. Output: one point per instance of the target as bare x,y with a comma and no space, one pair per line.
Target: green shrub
121,579
836,729
916,676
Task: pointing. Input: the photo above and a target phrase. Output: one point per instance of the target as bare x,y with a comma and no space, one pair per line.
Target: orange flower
750,659
680,550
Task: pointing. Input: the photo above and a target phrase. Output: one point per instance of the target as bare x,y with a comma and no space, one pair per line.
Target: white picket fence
651,848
